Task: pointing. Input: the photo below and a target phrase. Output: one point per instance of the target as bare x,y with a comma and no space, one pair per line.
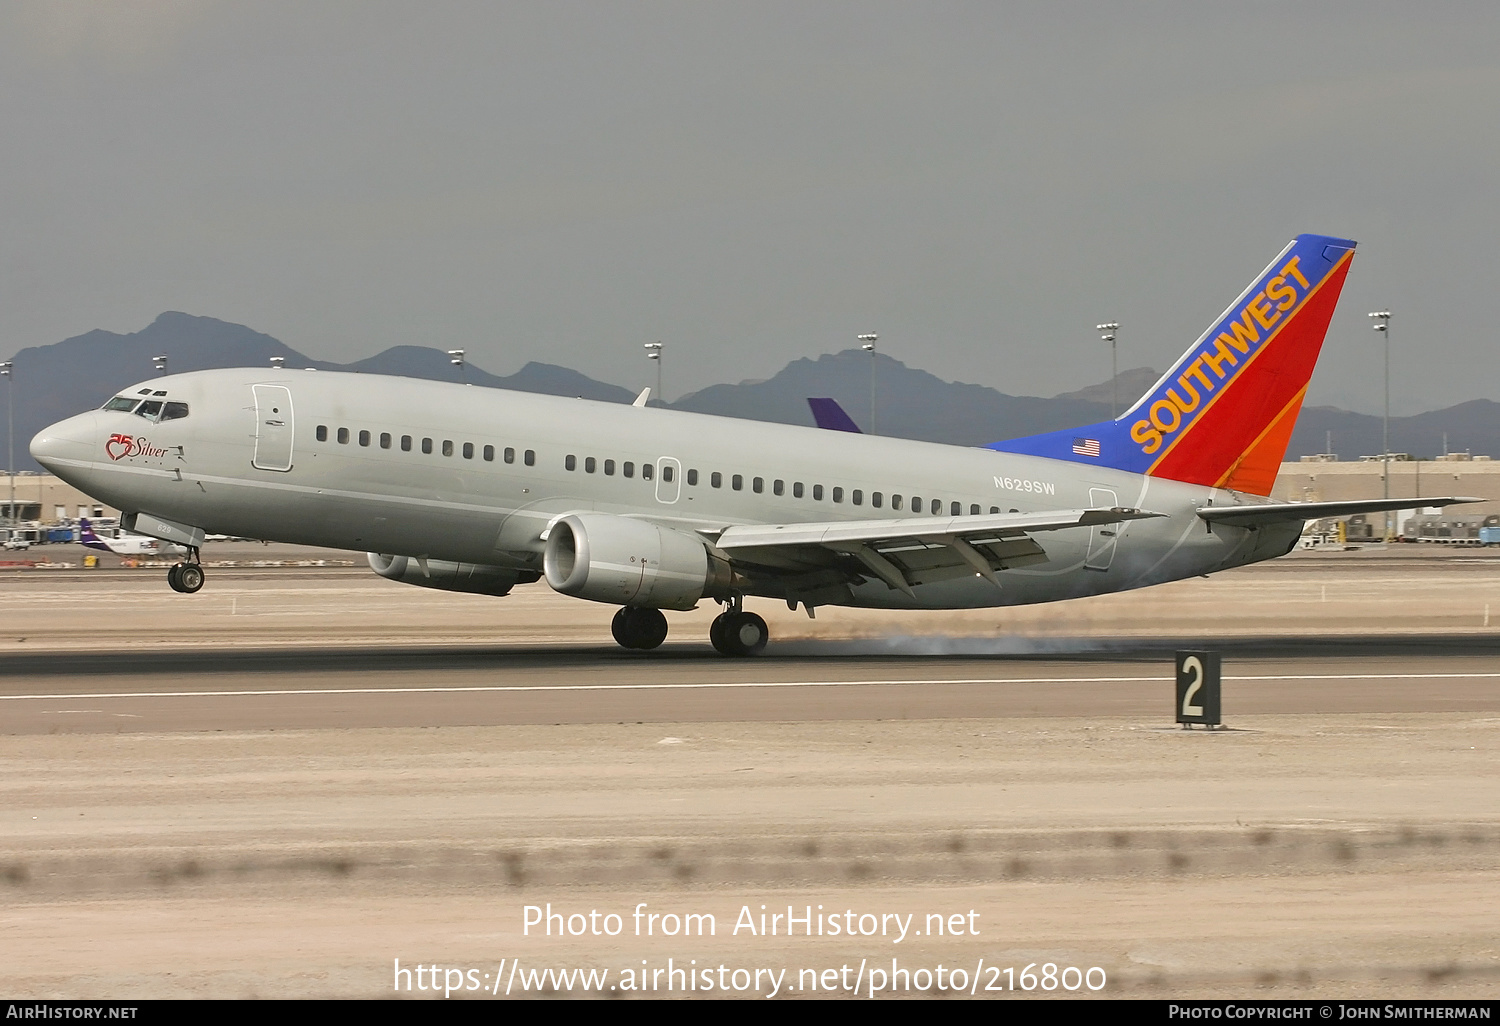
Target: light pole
160,362
1383,317
456,358
6,370
653,352
867,343
1107,334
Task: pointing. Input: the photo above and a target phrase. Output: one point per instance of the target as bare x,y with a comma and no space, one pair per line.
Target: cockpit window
149,409
144,391
121,404
174,411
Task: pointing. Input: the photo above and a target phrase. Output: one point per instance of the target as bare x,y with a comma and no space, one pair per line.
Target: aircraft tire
716,635
638,628
745,634
174,579
189,578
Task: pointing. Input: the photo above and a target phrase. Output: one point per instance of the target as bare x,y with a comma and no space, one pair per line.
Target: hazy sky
980,183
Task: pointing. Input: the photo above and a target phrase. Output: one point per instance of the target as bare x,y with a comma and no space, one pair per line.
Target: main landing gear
187,577
735,632
640,629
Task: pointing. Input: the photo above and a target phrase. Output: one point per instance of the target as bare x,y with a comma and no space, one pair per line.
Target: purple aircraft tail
88,538
829,415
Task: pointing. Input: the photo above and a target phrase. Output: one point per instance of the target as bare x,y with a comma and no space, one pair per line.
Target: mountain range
79,373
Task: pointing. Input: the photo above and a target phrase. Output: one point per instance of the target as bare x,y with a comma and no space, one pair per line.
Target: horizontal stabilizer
1289,512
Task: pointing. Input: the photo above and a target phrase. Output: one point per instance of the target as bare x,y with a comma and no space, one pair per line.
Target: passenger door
273,428
1102,537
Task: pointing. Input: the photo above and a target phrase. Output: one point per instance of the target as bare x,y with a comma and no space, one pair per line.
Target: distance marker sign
1198,688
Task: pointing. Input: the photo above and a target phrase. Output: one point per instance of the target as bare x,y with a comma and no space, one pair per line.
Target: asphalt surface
281,784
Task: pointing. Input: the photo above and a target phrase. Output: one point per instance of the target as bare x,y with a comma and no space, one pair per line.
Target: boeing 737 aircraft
479,490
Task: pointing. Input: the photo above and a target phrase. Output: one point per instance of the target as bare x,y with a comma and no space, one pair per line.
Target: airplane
647,509
124,543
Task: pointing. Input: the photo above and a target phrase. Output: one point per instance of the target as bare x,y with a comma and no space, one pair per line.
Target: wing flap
982,526
911,551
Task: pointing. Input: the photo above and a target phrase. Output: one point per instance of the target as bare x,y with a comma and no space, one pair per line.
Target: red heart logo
125,443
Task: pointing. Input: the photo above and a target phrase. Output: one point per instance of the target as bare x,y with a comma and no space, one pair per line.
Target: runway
283,787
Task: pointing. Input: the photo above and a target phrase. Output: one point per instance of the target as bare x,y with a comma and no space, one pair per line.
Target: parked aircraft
124,543
479,490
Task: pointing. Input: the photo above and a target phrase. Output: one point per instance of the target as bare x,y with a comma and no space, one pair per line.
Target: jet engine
631,563
475,578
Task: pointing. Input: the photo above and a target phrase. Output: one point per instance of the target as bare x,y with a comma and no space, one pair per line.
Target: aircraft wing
912,550
1287,512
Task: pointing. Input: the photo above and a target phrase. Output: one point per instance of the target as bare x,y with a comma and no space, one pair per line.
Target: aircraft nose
67,441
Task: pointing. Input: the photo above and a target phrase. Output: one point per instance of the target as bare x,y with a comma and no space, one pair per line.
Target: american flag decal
1086,447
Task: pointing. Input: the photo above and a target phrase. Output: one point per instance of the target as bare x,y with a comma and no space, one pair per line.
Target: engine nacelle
475,578
629,562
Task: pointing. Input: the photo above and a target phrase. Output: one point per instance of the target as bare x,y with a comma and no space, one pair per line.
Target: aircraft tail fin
829,415
1223,415
87,537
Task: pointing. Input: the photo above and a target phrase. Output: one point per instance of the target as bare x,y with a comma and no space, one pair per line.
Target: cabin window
737,482
817,493
174,411
364,439
468,450
758,485
895,501
489,454
974,510
778,487
647,471
343,436
876,499
796,489
666,472
124,404
427,446
530,458
589,464
447,447
406,443
956,509
609,467
385,439
570,462
994,509
838,495
510,455
322,432
716,479
628,469
857,497
692,477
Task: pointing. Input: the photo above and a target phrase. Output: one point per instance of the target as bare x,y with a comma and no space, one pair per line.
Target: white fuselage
317,473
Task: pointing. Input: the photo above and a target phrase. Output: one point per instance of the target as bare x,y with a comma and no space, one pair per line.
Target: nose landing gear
735,632
187,578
